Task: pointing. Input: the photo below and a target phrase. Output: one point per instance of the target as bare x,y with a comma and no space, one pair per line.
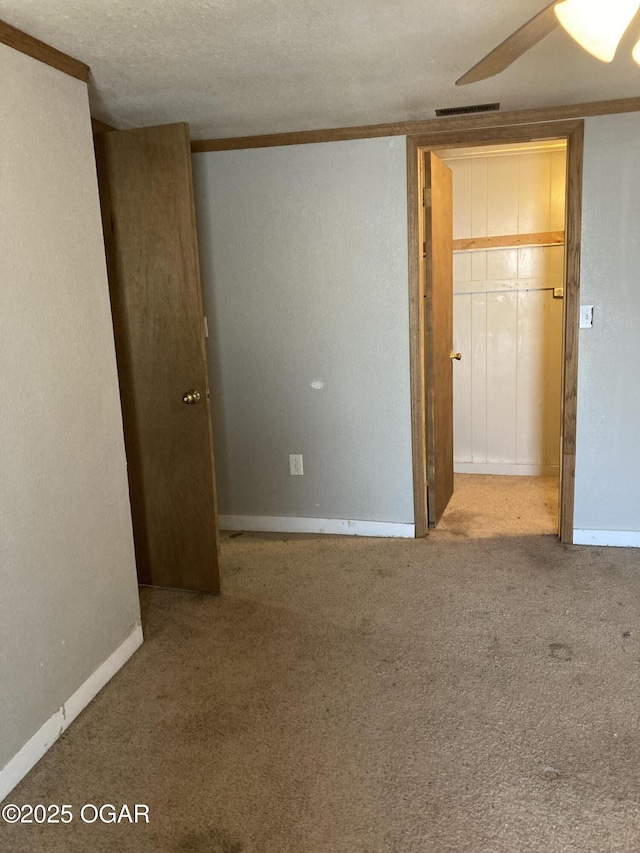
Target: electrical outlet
295,464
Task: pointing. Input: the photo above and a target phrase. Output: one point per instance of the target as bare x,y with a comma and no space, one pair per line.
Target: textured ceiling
243,67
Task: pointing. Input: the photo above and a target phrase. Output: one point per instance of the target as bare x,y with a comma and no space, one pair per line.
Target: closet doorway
508,288
509,311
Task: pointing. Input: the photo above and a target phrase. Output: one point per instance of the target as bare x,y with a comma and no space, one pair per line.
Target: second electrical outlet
295,464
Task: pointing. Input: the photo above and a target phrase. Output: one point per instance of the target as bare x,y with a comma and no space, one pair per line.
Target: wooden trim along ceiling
429,126
43,52
573,132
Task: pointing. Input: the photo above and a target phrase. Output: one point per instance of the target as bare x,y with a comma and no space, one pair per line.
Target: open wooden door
146,192
438,259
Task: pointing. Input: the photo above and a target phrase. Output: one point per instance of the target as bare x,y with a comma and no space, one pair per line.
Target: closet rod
509,290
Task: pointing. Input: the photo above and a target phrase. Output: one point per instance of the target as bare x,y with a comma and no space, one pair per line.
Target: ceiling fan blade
513,47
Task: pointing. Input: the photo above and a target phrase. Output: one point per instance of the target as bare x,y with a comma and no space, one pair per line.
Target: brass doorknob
191,397
456,355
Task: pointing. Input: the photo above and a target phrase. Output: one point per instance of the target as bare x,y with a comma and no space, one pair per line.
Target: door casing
573,133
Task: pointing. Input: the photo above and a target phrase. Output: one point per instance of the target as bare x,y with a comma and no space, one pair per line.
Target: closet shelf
508,241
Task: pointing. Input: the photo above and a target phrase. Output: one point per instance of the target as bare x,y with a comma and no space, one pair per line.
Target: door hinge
426,196
430,472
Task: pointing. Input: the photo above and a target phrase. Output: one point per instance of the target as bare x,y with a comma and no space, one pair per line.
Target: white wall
69,597
507,322
304,267
608,455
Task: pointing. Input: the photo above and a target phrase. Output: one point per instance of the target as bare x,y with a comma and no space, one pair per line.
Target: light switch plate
586,316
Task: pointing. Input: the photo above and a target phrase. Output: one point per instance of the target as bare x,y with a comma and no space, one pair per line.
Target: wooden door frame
573,133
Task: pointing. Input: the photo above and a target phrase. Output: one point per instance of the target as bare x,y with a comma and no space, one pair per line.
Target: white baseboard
286,524
506,468
48,734
613,538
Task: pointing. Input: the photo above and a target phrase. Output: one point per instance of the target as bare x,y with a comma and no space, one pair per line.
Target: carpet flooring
464,692
488,506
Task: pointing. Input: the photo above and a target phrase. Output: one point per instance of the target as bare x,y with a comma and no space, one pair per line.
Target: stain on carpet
560,651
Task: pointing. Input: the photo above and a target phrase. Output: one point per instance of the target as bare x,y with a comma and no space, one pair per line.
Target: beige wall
67,572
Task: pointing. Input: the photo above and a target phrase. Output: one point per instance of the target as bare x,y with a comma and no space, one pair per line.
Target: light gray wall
304,267
67,574
608,439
